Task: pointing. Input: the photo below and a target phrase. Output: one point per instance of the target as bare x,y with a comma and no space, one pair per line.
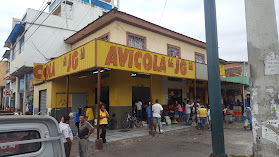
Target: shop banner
115,56
38,73
77,60
222,69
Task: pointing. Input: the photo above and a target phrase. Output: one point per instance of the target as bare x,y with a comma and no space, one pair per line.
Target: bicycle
127,123
112,123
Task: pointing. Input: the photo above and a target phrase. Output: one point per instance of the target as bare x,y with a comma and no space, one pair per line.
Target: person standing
85,130
103,122
202,113
188,111
249,116
157,112
148,114
89,115
138,105
180,111
78,114
67,135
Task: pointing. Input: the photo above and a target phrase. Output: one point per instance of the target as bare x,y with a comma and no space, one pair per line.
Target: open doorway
104,97
143,94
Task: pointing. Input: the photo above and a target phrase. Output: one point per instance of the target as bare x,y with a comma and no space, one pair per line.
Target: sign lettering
126,58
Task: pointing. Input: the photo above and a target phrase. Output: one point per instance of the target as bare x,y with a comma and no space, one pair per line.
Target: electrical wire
32,23
163,12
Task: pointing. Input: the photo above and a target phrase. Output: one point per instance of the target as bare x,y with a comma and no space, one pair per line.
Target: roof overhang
115,15
22,70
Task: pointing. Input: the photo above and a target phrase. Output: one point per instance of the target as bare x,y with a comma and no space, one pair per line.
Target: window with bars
174,51
104,38
136,41
200,58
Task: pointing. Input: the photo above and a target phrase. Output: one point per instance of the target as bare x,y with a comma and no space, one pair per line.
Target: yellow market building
128,50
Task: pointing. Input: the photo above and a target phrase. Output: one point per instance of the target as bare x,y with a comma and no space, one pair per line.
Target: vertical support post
151,132
67,95
243,99
99,142
98,102
195,91
263,51
214,84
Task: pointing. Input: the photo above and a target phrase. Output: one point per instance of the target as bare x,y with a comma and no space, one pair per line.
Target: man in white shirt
138,105
157,110
67,135
188,111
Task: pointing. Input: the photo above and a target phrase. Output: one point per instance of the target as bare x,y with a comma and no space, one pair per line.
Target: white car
30,135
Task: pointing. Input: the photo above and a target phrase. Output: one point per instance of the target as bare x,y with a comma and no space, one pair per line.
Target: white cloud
183,16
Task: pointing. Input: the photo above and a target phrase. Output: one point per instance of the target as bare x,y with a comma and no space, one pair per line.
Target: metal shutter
43,99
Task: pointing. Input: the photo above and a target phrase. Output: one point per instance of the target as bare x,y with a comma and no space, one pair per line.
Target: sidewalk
120,134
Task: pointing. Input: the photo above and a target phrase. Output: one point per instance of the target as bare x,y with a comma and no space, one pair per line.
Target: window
136,41
13,52
200,58
174,51
18,149
21,45
104,37
29,77
8,67
21,84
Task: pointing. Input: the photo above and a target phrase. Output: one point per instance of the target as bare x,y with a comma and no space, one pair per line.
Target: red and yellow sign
77,60
38,73
120,57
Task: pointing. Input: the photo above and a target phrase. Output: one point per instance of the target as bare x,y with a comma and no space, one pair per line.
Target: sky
182,16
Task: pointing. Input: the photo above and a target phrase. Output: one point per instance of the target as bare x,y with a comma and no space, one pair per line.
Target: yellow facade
46,86
204,86
119,36
120,85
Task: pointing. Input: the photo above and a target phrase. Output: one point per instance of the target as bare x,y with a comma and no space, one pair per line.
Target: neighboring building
128,50
3,65
43,40
236,82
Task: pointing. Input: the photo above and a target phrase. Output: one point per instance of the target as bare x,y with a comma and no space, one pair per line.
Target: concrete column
263,51
17,97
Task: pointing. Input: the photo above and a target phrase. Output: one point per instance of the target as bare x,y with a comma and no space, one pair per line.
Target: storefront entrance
143,94
104,97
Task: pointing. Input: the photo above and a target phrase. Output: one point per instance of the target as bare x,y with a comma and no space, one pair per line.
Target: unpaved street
188,142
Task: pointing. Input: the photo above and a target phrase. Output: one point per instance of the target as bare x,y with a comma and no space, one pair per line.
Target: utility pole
263,59
214,83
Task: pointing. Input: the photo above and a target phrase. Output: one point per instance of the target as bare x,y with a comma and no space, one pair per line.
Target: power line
32,23
115,21
163,12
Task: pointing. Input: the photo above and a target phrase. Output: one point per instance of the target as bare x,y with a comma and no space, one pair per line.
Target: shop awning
98,53
13,34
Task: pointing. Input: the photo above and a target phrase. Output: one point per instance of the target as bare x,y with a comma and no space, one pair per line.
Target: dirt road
189,142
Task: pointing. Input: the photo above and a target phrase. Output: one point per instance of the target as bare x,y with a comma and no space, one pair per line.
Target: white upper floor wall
44,40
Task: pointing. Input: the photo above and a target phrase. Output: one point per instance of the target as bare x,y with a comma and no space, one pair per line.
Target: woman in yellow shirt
103,122
89,115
